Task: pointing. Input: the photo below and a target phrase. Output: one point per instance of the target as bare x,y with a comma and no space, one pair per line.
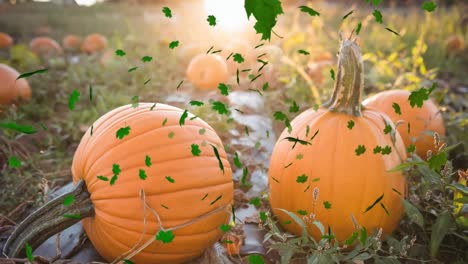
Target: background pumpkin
331,182
10,88
423,121
206,71
197,185
94,43
71,42
45,46
6,40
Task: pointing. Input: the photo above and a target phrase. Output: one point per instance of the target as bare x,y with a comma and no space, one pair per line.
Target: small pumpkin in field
6,40
107,58
242,48
455,44
345,159
422,122
94,43
11,89
71,42
45,46
144,173
206,71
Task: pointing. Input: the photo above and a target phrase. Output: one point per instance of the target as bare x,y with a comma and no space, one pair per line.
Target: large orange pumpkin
71,42
146,150
10,88
94,43
423,122
5,40
336,179
206,71
45,46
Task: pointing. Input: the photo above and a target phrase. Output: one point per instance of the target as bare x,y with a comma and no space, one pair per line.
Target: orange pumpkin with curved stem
94,43
423,122
71,42
339,176
10,88
207,71
45,46
151,161
6,40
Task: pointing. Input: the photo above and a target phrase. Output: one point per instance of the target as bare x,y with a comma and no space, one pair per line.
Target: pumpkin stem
49,220
349,83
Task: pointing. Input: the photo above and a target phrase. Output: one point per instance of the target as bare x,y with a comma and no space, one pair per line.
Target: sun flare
230,14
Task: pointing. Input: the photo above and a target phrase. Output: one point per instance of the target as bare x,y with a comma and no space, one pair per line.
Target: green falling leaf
183,117
69,200
237,161
304,52
122,132
195,150
225,228
429,6
146,58
396,108
142,174
220,163
148,161
211,20
360,150
170,179
26,129
237,57
174,44
327,205
374,203
302,178
223,88
29,252
332,74
265,14
358,28
102,178
417,97
73,99
196,103
14,162
256,259
120,53
309,11
28,74
378,16
220,107
165,236
350,124
167,11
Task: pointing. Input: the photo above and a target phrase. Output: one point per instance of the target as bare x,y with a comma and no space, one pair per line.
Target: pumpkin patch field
233,131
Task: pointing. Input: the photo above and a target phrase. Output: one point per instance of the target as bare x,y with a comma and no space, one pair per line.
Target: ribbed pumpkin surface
348,182
118,221
423,121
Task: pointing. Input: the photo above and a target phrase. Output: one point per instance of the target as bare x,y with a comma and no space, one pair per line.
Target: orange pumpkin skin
335,173
45,46
206,71
421,120
118,221
71,42
94,43
10,88
6,40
